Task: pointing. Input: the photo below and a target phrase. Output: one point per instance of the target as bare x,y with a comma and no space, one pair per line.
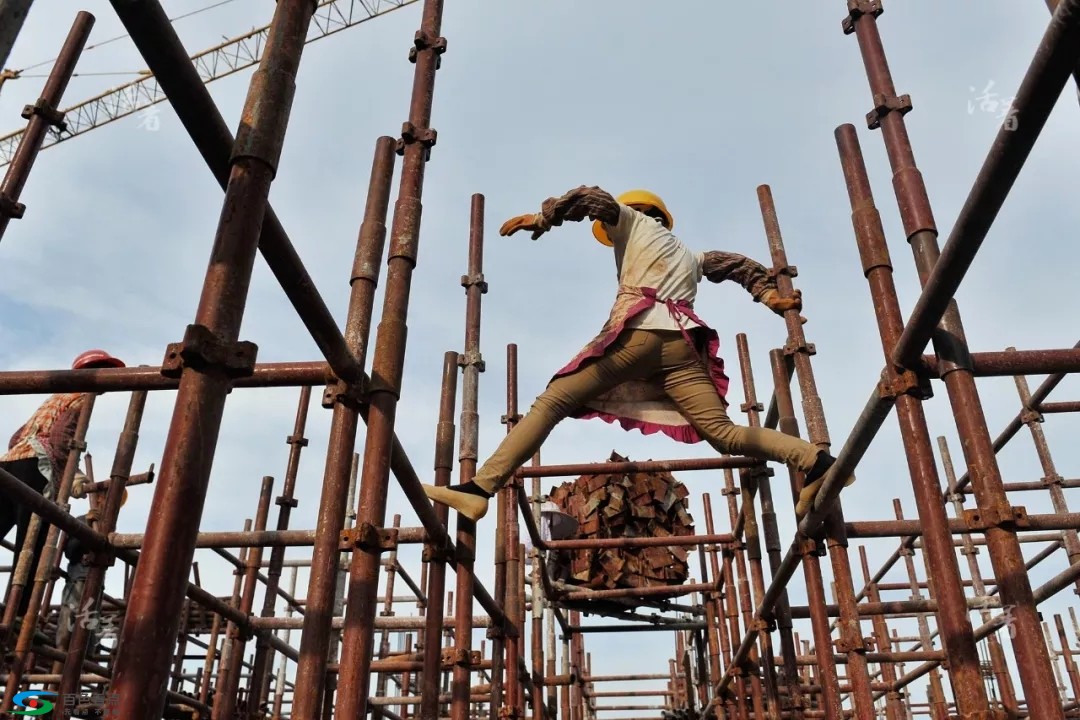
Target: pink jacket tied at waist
643,404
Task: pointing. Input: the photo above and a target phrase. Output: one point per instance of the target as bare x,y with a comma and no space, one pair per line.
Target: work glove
79,485
532,221
780,305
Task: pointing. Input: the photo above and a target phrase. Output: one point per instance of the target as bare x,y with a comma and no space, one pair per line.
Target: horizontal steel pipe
1050,69
1060,407
628,542
381,623
712,463
1007,363
259,538
147,377
899,528
662,591
802,612
626,628
624,678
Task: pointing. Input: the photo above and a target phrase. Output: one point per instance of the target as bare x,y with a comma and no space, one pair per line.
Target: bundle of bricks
625,505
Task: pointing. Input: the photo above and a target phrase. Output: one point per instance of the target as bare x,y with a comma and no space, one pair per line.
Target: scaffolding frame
725,662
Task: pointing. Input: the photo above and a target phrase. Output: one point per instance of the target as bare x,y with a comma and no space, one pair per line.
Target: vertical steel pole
436,557
95,578
468,451
938,709
753,410
326,555
851,637
997,653
732,614
279,685
226,694
893,709
264,654
42,114
941,563
815,584
158,588
387,366
950,345
745,603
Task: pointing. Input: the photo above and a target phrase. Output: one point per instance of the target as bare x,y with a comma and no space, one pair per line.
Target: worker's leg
688,384
27,471
635,354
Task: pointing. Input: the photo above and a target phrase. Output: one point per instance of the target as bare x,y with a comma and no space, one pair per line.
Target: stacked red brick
626,505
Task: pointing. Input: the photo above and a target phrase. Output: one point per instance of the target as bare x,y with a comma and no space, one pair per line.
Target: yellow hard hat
635,197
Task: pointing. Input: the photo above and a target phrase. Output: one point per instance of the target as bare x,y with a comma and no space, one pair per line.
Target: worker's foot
814,478
469,499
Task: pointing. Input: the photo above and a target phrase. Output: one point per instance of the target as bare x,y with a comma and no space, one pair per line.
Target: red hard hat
96,357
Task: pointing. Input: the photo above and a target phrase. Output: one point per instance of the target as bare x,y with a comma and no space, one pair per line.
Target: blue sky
700,102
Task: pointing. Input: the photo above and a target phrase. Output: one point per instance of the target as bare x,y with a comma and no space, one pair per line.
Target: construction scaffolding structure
344,649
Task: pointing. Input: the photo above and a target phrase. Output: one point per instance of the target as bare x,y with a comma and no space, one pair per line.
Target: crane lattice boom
237,54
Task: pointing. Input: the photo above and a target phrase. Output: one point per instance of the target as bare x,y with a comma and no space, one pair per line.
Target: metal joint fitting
436,552
79,445
1006,516
298,440
747,407
730,491
47,112
471,358
352,395
411,134
366,536
895,383
203,351
424,40
809,546
464,554
858,8
849,645
791,271
11,209
765,625
283,501
972,551
504,419
1029,416
467,281
760,472
791,347
495,632
1053,480
885,104
905,552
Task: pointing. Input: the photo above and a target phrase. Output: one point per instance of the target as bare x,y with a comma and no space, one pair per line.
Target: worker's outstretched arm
720,266
580,203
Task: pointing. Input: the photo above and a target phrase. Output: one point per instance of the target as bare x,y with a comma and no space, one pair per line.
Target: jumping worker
38,454
654,366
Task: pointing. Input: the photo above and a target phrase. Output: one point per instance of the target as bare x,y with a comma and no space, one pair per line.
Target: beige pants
639,355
